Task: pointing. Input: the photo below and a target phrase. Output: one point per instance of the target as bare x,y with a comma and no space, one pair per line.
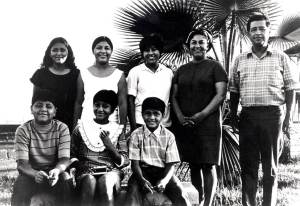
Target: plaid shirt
154,149
262,81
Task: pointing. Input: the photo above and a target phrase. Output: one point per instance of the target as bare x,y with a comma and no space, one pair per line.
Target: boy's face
152,118
151,55
102,110
43,112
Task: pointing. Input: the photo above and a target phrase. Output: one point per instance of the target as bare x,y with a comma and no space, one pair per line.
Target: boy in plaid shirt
153,154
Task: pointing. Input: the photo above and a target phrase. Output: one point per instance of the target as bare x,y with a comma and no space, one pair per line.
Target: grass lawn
288,187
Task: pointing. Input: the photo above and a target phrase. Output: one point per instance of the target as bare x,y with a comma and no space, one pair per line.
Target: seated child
101,148
42,152
153,153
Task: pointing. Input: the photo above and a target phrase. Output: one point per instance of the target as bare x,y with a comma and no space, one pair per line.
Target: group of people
80,119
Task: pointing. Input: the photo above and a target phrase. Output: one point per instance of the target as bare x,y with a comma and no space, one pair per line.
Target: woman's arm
78,101
181,118
221,89
122,100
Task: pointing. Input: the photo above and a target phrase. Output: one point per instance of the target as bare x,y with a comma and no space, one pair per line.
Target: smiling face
152,118
59,53
259,33
151,56
198,47
102,110
102,52
43,112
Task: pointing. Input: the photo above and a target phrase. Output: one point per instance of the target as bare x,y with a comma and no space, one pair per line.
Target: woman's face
59,53
198,46
102,52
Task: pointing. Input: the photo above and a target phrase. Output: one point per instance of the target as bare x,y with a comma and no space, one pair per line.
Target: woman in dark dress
59,74
198,90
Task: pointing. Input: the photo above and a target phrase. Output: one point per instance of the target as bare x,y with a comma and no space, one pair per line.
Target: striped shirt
42,146
262,81
154,149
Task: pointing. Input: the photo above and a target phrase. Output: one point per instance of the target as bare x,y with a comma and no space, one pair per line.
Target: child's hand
104,135
161,185
147,186
40,176
53,176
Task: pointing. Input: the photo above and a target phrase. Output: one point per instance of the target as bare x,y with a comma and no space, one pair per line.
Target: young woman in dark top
198,90
59,74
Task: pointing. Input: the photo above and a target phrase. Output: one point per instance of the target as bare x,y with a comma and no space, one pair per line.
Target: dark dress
196,88
65,88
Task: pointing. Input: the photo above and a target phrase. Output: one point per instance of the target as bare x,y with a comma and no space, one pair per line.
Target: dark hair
100,39
151,40
202,32
47,60
44,95
107,96
153,103
258,17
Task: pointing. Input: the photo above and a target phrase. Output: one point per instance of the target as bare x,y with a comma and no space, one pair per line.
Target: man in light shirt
262,80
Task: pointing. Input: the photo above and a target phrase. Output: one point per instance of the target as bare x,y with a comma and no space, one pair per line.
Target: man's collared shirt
154,149
262,81
143,83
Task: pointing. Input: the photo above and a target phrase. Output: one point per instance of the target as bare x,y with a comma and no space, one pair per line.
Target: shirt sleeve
288,70
172,154
134,149
132,82
234,77
220,74
36,78
22,141
64,141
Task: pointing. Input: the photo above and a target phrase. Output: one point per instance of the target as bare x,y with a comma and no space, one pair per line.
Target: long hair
47,60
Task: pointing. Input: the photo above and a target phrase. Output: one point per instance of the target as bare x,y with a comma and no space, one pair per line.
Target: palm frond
172,19
293,50
125,59
281,43
289,25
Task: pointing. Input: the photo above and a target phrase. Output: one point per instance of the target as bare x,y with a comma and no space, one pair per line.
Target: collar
145,68
268,52
156,133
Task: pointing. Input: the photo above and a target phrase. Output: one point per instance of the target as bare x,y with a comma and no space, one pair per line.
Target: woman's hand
185,121
198,117
40,177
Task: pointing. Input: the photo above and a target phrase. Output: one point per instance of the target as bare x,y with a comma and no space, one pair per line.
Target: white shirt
93,84
143,83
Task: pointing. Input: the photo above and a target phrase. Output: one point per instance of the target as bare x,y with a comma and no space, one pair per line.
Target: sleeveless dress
92,85
65,88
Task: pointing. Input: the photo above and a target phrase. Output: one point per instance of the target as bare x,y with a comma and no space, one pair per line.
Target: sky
28,26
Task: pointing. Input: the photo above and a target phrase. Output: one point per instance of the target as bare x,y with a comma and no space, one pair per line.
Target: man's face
43,112
259,33
152,118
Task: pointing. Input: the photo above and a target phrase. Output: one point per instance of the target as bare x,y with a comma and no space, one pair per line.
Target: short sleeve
22,141
133,146
36,78
234,77
64,141
220,74
288,71
132,82
172,154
